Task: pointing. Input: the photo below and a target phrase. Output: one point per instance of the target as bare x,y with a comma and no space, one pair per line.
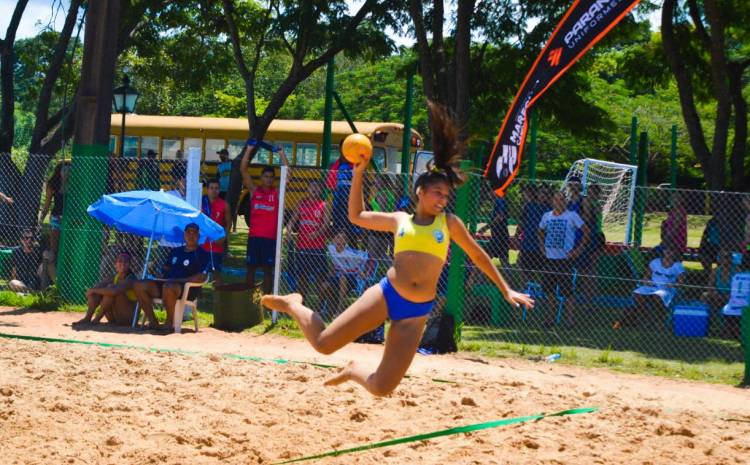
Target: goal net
616,193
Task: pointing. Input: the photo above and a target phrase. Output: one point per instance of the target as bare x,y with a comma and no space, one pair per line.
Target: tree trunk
53,73
686,93
463,64
445,93
739,146
423,46
7,66
719,74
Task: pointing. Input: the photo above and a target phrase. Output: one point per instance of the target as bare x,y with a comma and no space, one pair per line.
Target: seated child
115,297
659,287
348,265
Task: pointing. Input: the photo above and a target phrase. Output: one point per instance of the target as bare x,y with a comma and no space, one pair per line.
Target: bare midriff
415,275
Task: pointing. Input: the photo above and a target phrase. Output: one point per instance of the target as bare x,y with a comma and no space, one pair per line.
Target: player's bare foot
342,376
281,303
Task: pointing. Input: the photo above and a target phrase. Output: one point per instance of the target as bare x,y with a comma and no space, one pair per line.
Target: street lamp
124,99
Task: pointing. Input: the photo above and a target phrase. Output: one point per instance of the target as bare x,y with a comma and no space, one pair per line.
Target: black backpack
438,336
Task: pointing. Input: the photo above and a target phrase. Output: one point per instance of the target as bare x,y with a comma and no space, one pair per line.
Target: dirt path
66,403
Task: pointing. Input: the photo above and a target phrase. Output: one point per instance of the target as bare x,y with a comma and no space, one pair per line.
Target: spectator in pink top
216,208
264,214
309,220
674,228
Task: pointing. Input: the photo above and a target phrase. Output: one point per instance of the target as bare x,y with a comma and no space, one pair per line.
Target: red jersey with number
311,217
216,211
264,212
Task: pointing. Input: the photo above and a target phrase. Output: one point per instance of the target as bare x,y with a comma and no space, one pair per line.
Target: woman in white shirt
658,289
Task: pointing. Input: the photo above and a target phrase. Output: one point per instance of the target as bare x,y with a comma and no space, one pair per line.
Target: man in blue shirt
187,263
223,172
529,255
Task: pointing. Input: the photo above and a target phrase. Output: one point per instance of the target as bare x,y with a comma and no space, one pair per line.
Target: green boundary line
281,361
445,432
252,358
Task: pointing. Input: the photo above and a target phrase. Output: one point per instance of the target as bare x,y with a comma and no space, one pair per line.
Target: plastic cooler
5,265
690,320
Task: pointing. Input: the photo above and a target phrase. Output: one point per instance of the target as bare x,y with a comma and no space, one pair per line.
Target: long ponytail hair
446,149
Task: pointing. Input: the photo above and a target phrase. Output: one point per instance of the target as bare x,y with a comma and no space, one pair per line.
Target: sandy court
78,404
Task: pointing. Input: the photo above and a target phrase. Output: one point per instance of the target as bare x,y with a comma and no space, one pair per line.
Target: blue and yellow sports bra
432,239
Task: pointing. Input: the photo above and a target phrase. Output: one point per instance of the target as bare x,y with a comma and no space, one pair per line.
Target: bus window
288,149
335,153
131,146
191,143
307,154
112,143
378,157
149,143
169,148
262,157
235,148
213,146
393,160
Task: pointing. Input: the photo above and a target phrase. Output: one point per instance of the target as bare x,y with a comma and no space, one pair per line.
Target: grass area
712,359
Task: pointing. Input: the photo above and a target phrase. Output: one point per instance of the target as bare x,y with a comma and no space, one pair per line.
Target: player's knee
325,346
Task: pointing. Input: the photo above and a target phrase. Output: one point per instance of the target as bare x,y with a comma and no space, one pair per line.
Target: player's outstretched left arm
460,235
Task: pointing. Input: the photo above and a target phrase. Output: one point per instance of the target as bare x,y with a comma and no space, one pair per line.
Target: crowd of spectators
558,235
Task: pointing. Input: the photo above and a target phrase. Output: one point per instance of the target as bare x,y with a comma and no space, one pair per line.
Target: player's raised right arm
376,221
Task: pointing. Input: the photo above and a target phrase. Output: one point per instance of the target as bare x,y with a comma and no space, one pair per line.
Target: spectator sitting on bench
658,288
348,265
185,264
720,282
710,244
115,296
26,265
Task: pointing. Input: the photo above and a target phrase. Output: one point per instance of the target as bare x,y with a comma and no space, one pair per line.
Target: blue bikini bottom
400,308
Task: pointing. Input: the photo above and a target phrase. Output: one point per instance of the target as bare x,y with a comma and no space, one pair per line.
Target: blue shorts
260,251
400,308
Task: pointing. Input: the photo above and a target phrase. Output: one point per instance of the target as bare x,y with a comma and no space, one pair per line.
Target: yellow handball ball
357,148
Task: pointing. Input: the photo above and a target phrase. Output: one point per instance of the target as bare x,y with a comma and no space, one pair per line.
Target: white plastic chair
182,303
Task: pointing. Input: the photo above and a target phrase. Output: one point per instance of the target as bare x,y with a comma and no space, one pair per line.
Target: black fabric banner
584,23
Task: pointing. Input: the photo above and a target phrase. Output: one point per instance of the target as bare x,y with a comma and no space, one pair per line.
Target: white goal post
617,183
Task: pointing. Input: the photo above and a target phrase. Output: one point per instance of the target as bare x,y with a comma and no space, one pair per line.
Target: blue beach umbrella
153,214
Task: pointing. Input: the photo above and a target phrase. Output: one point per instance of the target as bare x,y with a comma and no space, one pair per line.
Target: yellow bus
302,140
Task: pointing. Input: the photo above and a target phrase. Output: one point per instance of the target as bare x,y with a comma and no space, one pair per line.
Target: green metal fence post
673,159
532,145
81,236
456,295
745,332
328,116
642,179
634,140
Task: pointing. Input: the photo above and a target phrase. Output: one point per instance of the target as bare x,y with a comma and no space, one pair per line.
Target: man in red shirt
215,208
264,215
310,221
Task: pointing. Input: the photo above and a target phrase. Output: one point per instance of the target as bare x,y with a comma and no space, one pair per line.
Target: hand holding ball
357,148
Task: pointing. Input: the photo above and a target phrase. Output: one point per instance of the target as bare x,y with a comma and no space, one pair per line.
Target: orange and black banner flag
583,25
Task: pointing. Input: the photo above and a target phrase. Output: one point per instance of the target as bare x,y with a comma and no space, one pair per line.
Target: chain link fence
655,299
